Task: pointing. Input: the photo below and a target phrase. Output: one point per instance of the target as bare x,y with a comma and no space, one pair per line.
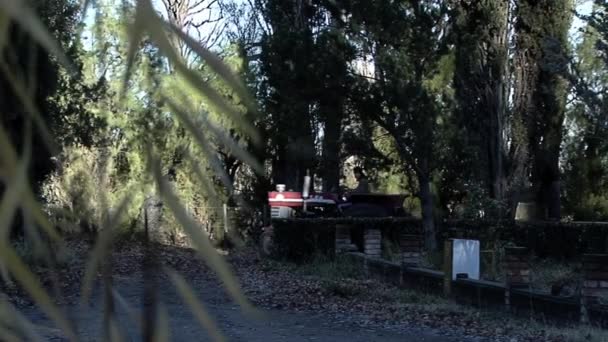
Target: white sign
465,258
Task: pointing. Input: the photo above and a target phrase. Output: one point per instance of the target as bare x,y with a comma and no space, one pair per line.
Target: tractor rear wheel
266,241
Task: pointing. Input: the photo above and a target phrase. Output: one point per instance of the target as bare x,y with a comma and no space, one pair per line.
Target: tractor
305,204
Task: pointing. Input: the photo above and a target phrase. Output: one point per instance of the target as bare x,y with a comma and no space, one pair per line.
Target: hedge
300,239
545,239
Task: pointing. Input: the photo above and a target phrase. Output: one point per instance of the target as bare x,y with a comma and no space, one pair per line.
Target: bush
545,239
592,207
300,239
73,193
91,182
478,204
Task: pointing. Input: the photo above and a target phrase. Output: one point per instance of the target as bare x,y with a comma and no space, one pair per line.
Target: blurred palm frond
18,193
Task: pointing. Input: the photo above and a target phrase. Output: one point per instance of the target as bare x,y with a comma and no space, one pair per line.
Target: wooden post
219,228
448,246
266,214
225,207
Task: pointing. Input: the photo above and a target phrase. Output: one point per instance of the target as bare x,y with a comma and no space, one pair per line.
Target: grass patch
342,278
320,266
407,296
340,267
582,333
338,277
432,260
390,250
548,273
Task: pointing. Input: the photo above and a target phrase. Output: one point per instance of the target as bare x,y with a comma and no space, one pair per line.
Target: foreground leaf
162,329
32,286
101,249
29,21
200,241
14,318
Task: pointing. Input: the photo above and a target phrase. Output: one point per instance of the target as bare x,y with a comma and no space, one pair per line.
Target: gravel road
275,325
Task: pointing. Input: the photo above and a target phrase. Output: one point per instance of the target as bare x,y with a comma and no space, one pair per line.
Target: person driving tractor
363,186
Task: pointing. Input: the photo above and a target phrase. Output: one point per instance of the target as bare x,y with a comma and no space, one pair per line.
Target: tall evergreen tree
407,41
27,65
287,66
587,146
540,94
480,84
334,53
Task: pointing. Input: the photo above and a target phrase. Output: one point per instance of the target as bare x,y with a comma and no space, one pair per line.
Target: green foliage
29,73
389,176
128,143
477,204
331,268
539,97
587,144
561,240
480,89
135,120
73,195
98,115
408,48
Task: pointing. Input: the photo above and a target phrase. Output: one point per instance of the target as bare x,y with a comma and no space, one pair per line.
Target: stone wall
595,279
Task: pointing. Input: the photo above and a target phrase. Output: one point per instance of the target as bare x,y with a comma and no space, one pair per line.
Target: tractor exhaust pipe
306,188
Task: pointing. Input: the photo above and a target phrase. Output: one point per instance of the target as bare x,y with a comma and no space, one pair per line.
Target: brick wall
517,267
411,249
372,242
595,277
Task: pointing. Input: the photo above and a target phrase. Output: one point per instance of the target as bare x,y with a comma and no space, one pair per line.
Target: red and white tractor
305,204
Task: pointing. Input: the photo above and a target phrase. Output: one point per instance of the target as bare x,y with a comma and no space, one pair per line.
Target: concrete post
372,240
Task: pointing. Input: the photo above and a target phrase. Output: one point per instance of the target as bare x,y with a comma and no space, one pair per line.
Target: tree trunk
331,147
546,178
426,203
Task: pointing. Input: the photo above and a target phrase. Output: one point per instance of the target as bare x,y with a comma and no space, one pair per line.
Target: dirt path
277,325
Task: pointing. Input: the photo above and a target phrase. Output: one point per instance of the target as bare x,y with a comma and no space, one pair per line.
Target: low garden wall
301,239
485,294
367,240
